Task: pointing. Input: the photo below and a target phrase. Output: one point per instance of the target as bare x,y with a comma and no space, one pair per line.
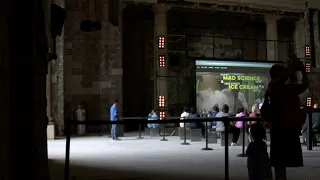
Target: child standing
258,159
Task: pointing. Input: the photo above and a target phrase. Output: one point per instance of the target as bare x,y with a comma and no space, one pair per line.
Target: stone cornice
229,7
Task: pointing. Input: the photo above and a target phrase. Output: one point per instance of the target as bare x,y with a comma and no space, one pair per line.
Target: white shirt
183,116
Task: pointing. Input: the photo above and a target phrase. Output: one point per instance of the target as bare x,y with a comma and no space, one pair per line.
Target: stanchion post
139,137
185,133
309,133
67,158
164,132
226,148
243,154
206,131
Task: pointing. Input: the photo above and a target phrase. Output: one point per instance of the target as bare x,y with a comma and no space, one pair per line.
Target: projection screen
235,83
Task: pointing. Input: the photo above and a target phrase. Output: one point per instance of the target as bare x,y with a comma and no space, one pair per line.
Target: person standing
258,161
283,96
114,116
153,116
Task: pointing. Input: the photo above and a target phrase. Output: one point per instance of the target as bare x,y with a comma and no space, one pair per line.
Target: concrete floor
100,158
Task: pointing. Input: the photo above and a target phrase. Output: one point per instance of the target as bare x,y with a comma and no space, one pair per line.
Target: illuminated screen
235,83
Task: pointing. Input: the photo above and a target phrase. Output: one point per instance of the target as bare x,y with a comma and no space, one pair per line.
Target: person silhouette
285,149
258,161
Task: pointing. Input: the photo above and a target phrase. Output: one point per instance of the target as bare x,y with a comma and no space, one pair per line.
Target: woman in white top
184,115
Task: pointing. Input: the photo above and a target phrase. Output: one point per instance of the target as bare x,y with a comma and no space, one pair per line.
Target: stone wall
92,61
89,65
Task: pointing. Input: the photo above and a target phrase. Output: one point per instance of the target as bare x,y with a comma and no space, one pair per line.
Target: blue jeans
152,125
114,131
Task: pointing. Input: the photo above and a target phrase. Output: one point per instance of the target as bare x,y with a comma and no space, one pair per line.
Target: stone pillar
300,38
57,81
160,29
316,37
272,37
23,143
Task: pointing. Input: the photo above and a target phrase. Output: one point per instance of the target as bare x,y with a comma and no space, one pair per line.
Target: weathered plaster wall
89,65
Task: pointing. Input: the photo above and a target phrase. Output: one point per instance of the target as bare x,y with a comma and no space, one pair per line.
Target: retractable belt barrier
168,120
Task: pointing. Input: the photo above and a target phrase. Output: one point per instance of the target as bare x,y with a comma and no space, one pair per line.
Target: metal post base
242,155
207,149
185,143
163,139
139,137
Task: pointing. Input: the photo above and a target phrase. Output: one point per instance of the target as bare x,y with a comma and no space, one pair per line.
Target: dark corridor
137,66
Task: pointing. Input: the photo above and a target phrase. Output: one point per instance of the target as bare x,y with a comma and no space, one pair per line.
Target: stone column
160,29
300,38
272,37
316,38
57,81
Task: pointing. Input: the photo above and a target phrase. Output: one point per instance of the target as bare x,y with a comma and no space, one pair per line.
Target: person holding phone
285,122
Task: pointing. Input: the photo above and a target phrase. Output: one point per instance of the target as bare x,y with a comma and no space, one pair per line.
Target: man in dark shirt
315,123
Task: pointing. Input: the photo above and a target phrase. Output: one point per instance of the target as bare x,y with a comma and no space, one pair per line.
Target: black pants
235,133
202,127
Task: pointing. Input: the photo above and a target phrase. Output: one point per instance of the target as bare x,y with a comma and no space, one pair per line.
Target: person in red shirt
285,124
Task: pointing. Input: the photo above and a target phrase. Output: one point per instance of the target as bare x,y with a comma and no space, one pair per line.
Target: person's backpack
266,109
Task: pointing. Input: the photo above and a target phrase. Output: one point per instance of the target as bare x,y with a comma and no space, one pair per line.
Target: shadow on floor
83,172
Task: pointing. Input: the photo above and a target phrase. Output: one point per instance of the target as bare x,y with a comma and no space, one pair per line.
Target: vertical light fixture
308,52
162,61
309,102
162,101
162,115
308,67
161,42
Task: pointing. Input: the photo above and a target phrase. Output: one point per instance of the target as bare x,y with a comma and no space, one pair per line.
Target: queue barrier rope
168,120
